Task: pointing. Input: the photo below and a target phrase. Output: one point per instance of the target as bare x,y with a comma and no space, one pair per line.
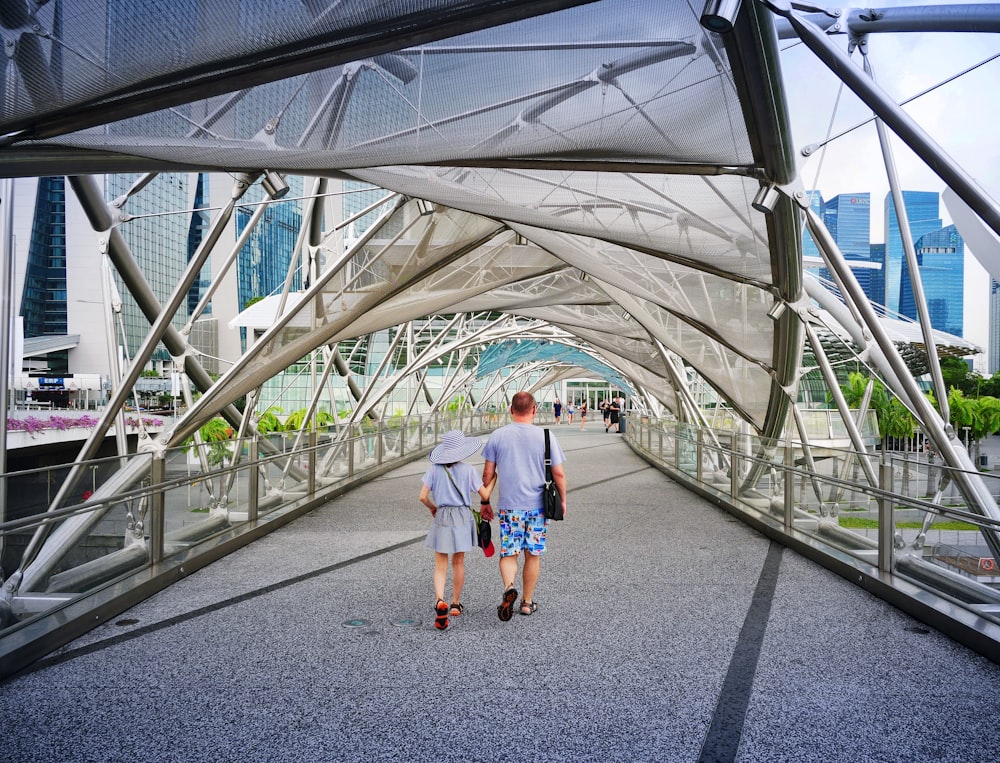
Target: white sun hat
455,447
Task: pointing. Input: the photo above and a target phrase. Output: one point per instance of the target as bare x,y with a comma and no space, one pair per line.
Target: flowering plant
33,424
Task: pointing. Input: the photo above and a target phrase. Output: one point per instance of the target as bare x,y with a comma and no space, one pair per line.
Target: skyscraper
941,262
877,258
810,252
43,301
922,211
159,244
266,257
994,327
848,218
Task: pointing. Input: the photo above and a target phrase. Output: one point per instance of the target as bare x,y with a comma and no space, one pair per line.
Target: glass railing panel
686,447
392,439
836,497
206,489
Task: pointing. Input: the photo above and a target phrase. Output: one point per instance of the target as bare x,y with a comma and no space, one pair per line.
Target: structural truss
613,184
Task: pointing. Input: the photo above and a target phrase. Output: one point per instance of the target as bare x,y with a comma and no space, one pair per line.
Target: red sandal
441,614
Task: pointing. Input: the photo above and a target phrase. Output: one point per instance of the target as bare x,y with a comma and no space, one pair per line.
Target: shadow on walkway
666,631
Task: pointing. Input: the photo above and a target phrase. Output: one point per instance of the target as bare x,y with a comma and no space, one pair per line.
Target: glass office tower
994,350
809,249
848,218
43,305
941,263
877,257
922,212
159,244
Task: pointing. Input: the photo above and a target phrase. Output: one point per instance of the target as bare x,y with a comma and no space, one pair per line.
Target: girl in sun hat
453,529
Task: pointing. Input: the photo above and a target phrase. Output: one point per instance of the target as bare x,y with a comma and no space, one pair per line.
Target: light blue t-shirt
518,450
466,477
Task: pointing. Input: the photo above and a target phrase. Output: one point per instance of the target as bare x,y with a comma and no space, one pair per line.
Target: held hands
486,511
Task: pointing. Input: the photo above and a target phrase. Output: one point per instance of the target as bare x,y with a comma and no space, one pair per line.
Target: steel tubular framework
623,207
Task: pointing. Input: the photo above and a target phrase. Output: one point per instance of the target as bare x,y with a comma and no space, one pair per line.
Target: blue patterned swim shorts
522,529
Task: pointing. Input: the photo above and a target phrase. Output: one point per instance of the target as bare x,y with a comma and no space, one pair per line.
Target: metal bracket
12,36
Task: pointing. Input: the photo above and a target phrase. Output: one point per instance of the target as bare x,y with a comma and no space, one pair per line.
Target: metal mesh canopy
591,165
505,354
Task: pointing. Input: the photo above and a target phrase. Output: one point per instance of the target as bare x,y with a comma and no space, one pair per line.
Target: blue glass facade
848,218
263,262
941,262
201,220
809,248
159,244
43,305
922,212
877,257
994,327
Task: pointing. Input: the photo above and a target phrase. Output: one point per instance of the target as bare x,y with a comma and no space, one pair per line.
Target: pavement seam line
722,741
209,608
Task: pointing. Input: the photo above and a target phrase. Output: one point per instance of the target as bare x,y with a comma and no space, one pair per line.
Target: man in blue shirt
516,453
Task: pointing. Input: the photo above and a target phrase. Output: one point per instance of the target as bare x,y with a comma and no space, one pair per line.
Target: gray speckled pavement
666,631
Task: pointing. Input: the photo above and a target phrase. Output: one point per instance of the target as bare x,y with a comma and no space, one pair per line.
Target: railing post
312,462
886,526
699,453
379,442
677,445
157,505
734,466
789,475
350,455
253,483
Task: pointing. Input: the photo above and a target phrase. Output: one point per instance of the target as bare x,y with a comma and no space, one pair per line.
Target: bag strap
475,513
548,458
448,472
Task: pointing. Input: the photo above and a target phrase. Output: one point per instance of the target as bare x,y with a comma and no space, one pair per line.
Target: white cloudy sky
962,117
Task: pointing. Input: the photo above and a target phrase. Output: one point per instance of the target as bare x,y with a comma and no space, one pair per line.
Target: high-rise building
264,261
848,218
810,252
43,301
160,244
994,341
941,263
922,212
197,228
877,257
59,263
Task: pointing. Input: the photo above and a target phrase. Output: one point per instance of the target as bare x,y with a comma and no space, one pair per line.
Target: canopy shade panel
592,166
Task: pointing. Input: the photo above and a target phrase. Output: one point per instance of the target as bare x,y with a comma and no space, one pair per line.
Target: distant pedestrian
557,411
614,410
583,415
569,412
453,529
606,413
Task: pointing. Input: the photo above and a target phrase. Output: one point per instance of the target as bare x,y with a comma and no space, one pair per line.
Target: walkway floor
666,631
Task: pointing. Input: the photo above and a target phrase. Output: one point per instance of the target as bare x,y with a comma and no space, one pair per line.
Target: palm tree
985,421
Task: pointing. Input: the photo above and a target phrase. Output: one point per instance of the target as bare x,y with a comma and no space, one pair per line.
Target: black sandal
531,606
441,614
506,609
456,609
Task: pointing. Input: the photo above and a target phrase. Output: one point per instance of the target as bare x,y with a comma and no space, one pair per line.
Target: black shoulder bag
551,502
